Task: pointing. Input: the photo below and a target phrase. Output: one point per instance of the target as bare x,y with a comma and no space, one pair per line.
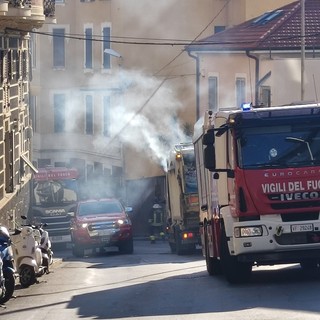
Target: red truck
55,192
258,173
98,224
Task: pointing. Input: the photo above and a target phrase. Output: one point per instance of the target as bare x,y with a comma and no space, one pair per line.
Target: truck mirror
129,210
209,157
208,138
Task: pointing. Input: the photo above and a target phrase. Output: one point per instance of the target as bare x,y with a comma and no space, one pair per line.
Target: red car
97,224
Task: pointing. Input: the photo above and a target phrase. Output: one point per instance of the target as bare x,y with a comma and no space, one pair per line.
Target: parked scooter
45,246
28,255
7,270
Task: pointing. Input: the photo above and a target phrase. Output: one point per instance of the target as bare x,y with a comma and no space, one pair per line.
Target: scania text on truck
258,177
54,193
182,200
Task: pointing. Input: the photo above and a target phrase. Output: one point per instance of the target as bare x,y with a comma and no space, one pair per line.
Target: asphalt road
155,284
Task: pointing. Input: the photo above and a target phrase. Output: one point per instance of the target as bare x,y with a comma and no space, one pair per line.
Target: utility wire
167,76
202,31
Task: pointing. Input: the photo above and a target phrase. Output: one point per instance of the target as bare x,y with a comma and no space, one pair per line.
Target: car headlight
254,231
122,222
82,225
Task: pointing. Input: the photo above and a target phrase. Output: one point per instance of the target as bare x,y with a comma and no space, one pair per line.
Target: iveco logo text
55,211
291,173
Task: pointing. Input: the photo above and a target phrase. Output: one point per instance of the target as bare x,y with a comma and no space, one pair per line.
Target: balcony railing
20,3
49,8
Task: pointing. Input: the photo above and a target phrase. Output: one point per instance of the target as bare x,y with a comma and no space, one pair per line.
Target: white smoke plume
145,117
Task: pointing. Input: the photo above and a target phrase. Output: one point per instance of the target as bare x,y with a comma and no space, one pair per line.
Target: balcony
26,14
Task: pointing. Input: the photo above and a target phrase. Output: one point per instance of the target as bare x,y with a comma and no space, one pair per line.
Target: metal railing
20,3
49,7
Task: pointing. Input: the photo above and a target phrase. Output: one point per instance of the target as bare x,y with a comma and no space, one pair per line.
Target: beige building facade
260,61
114,85
17,19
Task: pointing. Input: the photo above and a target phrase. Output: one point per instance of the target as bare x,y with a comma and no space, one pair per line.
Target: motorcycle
7,270
28,256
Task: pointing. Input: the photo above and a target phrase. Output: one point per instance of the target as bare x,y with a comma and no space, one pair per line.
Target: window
59,112
58,47
2,64
9,160
213,93
89,172
106,116
25,64
33,112
33,50
42,163
98,169
106,45
88,48
13,65
219,29
89,115
240,91
265,96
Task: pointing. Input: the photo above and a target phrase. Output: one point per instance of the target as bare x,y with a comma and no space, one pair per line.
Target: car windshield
94,208
279,146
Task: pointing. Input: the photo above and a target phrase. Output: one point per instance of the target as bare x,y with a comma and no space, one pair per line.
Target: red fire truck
258,172
55,193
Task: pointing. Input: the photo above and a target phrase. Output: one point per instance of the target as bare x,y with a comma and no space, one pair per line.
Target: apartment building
113,86
17,18
265,67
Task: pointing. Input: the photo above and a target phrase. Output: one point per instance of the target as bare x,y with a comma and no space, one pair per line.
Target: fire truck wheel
180,249
212,263
77,251
235,271
309,265
172,247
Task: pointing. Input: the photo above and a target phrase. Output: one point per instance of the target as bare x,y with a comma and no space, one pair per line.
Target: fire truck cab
54,193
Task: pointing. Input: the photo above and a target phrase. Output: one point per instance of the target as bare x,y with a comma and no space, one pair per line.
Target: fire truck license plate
302,227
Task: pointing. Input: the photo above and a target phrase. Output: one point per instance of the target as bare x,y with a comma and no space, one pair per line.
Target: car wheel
126,246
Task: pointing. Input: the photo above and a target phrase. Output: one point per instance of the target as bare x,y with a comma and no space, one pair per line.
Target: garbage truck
182,200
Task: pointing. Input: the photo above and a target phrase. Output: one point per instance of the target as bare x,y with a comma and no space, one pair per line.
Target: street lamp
113,53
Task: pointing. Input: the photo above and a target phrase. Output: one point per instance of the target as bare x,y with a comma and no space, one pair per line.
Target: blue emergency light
246,106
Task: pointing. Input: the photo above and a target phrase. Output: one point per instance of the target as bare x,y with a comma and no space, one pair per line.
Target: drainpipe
256,86
197,85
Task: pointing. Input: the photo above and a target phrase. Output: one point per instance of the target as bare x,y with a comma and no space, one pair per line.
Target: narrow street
155,284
